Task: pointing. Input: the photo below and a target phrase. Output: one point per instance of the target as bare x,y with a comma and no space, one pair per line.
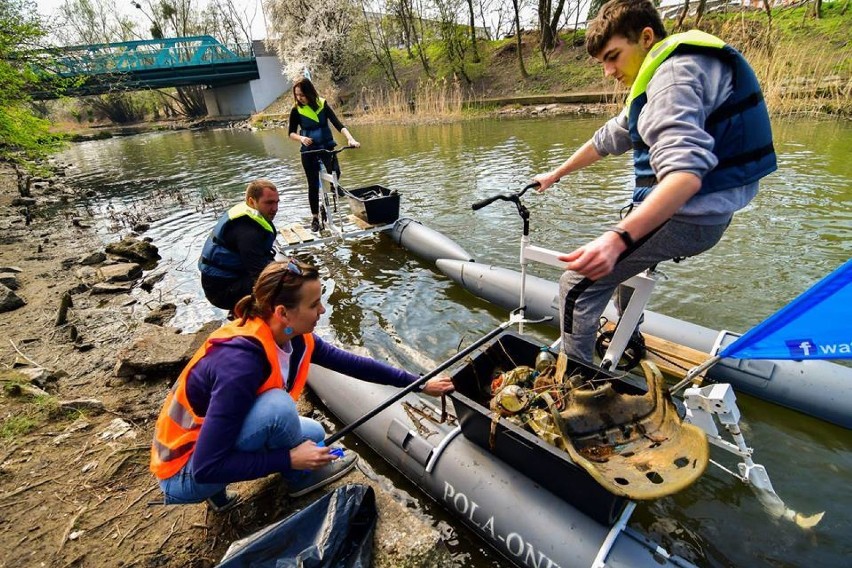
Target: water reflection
398,308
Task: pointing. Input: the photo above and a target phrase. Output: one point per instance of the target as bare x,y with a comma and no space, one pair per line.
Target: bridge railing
168,53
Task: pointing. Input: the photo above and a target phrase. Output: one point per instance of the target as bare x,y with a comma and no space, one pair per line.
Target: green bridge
147,64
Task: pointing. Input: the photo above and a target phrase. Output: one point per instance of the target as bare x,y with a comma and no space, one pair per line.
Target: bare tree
379,43
519,43
548,24
682,16
699,11
92,22
485,6
453,36
228,23
170,18
316,35
579,10
502,16
416,16
472,26
408,16
400,10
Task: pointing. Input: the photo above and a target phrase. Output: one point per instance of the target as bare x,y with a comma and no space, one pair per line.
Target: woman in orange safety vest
231,415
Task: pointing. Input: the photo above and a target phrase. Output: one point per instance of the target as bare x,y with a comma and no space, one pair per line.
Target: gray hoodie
685,89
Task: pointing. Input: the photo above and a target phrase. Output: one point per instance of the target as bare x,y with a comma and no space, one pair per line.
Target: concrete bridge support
244,99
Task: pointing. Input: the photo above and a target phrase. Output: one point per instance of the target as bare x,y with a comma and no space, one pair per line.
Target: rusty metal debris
633,444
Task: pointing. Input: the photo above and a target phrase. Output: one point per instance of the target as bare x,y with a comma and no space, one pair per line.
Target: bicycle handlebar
503,197
339,150
487,201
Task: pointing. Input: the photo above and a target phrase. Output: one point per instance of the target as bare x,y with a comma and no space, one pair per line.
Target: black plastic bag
336,530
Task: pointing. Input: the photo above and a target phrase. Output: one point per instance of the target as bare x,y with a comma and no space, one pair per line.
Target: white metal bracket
707,405
612,535
643,285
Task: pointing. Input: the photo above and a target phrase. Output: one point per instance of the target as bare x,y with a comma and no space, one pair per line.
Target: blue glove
334,451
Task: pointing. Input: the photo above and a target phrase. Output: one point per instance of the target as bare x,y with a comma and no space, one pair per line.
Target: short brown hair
625,18
255,188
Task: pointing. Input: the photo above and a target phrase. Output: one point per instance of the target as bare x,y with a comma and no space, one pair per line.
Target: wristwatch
625,236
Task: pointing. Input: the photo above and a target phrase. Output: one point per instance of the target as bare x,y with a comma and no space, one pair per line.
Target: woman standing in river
309,126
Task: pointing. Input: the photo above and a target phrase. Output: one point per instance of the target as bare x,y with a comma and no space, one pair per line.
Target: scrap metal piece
635,446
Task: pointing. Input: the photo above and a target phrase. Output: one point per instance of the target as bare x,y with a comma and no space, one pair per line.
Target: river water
389,304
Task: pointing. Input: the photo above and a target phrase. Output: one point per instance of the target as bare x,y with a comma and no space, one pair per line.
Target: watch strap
625,236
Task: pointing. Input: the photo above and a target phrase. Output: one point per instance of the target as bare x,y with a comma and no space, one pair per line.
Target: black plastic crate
374,204
542,462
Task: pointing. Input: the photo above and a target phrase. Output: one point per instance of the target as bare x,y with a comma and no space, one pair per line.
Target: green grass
21,413
17,426
793,23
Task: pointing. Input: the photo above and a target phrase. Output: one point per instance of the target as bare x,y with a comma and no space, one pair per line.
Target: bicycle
328,204
628,322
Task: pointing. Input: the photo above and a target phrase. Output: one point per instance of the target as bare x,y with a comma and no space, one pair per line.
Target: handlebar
514,197
339,150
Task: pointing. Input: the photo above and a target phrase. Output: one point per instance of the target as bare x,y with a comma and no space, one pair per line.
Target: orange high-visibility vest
178,426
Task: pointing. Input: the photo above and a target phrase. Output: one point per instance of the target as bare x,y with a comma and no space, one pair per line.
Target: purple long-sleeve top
222,387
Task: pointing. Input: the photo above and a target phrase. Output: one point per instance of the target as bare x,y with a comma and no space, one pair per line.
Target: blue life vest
219,261
740,126
314,125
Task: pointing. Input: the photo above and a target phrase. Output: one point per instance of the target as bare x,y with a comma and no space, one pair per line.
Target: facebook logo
800,348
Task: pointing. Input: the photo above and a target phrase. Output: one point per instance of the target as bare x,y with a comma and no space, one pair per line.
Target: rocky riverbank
87,355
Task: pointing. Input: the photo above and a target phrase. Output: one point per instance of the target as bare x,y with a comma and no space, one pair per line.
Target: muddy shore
76,424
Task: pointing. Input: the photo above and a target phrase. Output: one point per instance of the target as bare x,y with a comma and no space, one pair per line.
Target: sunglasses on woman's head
292,268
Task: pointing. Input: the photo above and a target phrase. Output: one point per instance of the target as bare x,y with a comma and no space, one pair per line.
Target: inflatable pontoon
517,515
819,388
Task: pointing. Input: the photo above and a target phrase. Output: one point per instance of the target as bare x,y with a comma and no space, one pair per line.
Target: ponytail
246,309
279,284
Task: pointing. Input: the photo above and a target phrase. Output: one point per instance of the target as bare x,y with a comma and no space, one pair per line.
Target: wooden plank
304,234
289,236
672,358
680,358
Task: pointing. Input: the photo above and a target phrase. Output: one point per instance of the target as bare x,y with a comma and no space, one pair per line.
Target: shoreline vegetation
804,66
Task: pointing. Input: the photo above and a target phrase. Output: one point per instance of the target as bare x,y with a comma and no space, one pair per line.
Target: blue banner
816,325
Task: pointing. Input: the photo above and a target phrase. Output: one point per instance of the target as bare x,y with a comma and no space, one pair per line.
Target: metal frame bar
642,284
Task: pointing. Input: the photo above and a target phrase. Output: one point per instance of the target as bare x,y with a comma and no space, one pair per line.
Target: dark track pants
224,292
583,301
311,165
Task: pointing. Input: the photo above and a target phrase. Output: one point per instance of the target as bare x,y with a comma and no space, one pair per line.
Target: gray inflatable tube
426,243
819,388
524,522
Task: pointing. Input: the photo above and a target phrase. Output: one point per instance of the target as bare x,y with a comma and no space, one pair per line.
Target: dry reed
429,100
797,82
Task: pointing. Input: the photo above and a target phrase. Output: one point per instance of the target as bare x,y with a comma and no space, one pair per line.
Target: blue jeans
272,423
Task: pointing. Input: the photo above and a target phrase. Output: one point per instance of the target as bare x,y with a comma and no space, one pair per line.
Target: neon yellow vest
662,50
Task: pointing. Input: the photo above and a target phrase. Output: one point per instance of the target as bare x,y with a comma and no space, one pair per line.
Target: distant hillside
798,53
